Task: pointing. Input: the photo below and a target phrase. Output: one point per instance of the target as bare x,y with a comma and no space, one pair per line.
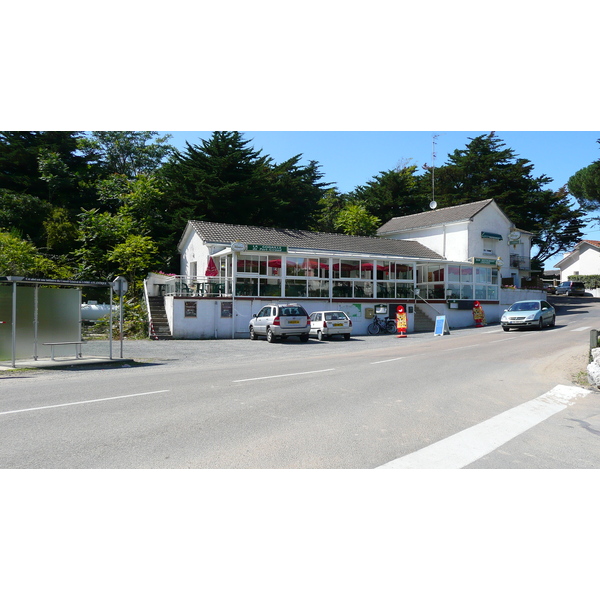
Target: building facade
433,264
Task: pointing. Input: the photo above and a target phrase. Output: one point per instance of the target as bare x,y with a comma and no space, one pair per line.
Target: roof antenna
433,203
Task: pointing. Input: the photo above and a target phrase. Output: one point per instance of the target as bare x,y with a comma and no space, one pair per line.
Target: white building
433,264
583,260
469,232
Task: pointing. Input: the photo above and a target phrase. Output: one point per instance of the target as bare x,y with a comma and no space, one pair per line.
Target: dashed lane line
284,375
21,410
465,447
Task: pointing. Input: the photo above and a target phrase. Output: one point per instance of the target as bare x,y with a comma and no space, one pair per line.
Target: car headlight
530,317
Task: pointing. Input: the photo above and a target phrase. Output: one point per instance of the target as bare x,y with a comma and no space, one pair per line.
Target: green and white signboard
265,248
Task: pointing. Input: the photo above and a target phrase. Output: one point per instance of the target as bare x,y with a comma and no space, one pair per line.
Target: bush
591,282
135,322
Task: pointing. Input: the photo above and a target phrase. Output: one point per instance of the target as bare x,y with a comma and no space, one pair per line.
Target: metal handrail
428,304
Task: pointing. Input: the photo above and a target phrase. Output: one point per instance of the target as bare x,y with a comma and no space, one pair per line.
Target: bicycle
387,325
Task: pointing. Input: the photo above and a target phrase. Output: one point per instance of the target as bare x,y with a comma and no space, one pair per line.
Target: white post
35,320
14,324
110,326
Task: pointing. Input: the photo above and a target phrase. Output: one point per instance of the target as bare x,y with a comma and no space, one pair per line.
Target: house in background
476,232
583,260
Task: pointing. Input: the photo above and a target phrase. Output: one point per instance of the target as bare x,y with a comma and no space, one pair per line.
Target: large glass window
295,287
318,288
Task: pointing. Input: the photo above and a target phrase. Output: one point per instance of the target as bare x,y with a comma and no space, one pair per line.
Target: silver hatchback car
326,323
280,321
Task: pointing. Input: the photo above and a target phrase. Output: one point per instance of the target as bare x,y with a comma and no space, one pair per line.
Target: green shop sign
484,261
263,248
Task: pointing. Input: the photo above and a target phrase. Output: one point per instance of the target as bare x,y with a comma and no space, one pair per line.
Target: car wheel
346,336
505,328
320,335
541,323
253,335
270,336
553,321
304,337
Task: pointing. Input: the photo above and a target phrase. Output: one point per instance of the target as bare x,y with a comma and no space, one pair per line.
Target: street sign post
119,285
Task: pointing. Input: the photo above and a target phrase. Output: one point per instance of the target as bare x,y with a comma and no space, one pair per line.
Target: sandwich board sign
441,325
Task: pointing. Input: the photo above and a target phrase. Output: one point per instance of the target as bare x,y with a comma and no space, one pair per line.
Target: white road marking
388,360
285,375
461,348
580,329
467,446
11,412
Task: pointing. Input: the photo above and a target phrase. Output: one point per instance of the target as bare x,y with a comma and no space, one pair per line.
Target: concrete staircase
158,318
423,322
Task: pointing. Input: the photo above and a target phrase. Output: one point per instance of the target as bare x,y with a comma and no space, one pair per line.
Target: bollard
593,341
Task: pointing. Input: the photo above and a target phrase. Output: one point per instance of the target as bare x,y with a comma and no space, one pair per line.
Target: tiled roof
451,214
223,233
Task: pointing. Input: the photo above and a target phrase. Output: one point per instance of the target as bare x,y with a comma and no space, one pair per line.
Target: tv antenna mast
433,203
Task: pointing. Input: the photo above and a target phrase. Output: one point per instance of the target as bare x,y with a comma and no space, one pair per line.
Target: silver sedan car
528,313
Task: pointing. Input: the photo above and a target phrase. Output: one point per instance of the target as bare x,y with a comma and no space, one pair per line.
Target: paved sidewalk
63,363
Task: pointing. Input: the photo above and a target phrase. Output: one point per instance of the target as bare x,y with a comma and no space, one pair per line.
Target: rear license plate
338,324
293,321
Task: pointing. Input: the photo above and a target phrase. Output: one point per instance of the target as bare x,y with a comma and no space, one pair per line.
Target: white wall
587,263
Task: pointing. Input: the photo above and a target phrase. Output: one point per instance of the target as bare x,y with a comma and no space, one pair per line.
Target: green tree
133,258
355,219
391,194
48,165
24,213
129,153
487,169
61,232
21,258
222,180
99,233
585,186
328,208
297,190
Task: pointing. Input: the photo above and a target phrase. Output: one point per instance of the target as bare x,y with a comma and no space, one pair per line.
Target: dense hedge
591,281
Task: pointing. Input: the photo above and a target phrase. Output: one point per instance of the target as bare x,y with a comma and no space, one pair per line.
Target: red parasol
211,268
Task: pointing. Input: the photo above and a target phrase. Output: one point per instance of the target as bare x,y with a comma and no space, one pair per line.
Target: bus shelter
41,318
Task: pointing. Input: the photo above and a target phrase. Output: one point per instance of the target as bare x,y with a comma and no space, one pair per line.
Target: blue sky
351,158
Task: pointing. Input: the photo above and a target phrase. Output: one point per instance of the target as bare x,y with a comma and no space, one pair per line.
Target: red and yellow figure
478,314
401,321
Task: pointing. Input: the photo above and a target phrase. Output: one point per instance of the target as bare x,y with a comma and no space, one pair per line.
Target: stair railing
147,299
428,304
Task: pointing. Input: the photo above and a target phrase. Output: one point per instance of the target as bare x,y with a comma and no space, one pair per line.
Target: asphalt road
358,404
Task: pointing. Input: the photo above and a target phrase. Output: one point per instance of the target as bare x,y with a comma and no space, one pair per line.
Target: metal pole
35,320
14,324
121,314
110,326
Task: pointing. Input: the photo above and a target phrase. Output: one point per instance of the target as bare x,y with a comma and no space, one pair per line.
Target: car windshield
525,306
334,316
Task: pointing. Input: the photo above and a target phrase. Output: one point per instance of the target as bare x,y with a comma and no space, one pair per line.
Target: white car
326,323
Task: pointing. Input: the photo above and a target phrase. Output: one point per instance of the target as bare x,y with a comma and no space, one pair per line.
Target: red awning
369,267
